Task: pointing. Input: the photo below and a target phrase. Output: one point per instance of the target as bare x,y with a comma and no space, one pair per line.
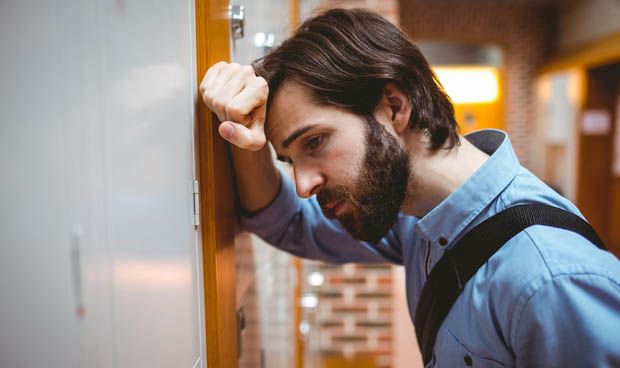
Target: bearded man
381,174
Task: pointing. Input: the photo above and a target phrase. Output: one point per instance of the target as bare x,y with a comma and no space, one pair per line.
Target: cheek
343,162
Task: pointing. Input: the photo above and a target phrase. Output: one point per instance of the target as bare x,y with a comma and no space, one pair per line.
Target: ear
395,106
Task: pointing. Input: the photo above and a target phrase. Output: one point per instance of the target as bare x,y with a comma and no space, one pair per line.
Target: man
353,107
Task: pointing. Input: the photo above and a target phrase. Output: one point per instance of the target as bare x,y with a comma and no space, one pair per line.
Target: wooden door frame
217,210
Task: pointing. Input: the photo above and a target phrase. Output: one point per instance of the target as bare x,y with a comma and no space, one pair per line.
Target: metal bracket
240,328
196,197
236,13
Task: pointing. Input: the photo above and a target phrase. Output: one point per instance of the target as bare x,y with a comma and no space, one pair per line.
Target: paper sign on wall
595,122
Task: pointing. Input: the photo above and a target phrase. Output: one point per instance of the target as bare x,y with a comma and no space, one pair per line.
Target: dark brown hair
346,57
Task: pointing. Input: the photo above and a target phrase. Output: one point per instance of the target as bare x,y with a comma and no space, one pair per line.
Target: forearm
239,99
257,178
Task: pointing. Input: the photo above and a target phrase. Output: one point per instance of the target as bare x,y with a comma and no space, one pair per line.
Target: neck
436,175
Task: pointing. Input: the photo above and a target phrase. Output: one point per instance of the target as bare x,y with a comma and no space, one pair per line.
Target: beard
379,189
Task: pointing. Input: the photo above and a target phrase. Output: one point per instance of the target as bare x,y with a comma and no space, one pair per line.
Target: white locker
99,256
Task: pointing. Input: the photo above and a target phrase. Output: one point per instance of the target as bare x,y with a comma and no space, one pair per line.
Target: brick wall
265,289
387,8
524,33
354,313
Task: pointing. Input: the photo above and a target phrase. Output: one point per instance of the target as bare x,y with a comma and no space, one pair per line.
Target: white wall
98,252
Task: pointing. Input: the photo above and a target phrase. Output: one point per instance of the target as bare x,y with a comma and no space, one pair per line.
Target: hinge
196,203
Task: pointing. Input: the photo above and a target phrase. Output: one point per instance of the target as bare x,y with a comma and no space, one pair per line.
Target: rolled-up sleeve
299,227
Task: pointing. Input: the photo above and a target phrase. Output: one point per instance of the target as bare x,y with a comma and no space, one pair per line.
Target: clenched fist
239,99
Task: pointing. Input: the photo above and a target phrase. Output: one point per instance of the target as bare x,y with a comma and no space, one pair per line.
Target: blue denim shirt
547,298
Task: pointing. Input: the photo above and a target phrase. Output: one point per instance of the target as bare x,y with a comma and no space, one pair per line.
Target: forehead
288,111
293,107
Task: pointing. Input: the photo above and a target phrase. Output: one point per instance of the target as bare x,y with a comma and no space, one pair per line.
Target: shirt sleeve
299,227
572,320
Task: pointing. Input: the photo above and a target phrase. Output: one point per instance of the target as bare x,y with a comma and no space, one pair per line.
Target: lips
337,207
333,201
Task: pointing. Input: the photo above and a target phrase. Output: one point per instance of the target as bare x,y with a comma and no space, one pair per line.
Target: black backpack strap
448,278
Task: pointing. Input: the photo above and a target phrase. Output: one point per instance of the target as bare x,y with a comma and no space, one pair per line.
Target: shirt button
443,241
468,361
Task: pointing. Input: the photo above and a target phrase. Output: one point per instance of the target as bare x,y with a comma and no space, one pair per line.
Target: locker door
148,92
38,298
100,256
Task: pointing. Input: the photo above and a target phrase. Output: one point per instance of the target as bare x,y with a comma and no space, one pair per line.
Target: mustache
328,195
331,195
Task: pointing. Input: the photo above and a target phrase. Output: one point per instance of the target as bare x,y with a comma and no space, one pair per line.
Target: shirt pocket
453,353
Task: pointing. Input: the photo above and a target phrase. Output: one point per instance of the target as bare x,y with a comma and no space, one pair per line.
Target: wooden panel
614,235
614,228
216,187
595,154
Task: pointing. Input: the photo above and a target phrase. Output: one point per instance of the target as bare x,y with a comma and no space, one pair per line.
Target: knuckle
255,146
261,94
216,66
264,93
206,101
232,110
218,103
207,96
261,82
203,87
262,86
247,70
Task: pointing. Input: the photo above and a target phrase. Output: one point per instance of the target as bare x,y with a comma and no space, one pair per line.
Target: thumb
252,139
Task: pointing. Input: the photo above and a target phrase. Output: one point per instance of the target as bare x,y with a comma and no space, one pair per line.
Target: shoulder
543,257
553,280
567,303
547,252
562,260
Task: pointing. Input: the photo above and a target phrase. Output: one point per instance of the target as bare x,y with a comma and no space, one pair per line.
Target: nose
307,181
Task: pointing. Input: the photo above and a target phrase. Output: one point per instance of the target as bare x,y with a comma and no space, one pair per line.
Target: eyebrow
296,134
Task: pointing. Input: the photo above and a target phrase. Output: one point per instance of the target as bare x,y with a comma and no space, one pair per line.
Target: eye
314,142
284,159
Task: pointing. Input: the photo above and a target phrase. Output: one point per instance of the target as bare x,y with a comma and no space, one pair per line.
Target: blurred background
118,237
546,71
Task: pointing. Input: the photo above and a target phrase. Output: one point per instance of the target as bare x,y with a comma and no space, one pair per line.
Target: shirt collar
448,219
